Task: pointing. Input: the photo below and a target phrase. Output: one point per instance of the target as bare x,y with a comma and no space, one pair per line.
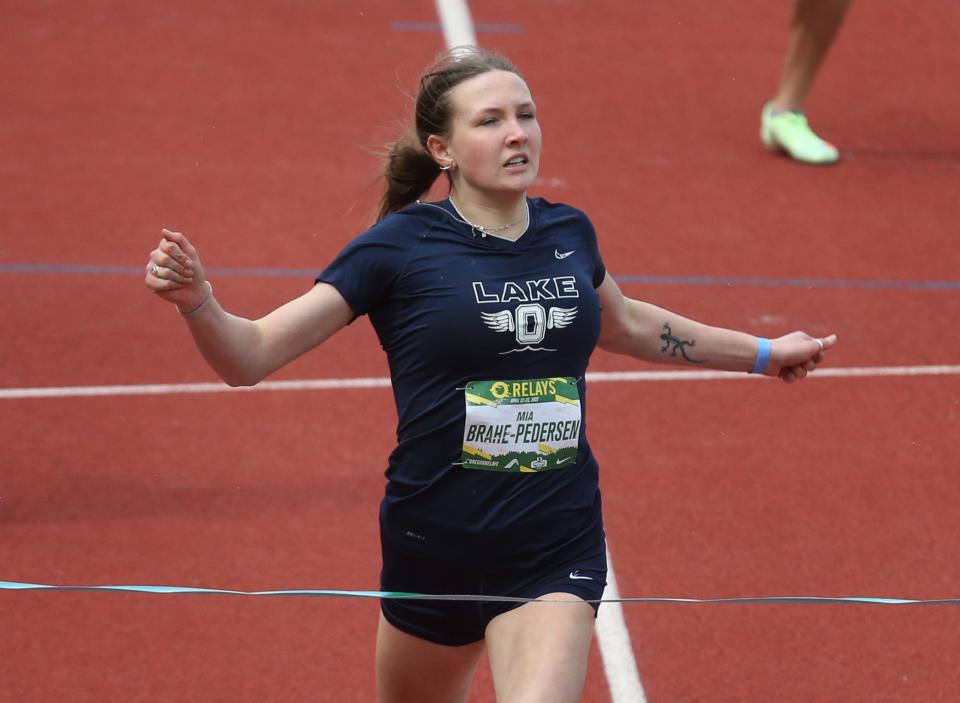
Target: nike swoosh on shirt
575,575
556,253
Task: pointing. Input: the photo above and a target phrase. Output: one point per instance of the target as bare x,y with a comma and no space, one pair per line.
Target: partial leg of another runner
783,124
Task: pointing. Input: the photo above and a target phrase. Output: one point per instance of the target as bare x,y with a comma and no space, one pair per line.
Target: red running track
255,130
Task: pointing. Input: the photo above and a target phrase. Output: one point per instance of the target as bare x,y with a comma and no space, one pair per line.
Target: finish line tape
333,593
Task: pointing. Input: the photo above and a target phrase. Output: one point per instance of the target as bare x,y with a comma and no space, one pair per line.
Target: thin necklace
484,231
490,230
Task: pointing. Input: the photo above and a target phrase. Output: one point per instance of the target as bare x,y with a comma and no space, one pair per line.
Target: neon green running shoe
790,132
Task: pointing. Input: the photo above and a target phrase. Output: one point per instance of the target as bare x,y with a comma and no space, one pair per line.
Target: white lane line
456,22
616,651
843,372
325,384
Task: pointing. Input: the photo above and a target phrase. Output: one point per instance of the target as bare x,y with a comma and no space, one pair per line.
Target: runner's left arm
653,334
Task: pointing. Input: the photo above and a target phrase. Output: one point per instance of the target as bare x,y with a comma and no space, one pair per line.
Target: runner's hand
794,355
174,271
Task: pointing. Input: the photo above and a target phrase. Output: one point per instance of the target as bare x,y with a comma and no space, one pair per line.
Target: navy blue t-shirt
451,306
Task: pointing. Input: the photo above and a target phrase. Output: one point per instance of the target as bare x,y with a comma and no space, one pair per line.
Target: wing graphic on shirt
499,321
560,317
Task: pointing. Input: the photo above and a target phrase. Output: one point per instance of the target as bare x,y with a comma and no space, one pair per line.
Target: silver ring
154,269
820,342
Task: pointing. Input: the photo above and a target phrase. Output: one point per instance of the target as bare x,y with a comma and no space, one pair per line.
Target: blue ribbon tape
337,593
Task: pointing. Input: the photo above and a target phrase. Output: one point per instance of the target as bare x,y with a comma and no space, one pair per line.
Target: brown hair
410,169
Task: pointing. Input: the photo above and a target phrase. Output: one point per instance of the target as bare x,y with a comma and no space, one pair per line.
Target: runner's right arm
242,352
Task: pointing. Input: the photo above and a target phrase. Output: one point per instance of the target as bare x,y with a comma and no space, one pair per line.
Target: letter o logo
531,321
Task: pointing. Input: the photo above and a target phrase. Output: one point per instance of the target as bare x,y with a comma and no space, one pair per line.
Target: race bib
521,426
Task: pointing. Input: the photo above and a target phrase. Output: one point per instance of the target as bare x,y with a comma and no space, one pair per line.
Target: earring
446,168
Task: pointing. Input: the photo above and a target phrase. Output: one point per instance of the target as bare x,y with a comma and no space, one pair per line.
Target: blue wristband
763,355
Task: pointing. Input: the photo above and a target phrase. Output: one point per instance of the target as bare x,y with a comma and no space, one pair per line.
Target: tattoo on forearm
677,345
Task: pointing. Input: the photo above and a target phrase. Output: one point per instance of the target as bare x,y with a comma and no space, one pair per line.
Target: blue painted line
780,282
400,26
71,269
109,270
495,27
101,270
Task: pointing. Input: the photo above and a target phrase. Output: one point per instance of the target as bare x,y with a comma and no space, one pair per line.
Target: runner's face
495,138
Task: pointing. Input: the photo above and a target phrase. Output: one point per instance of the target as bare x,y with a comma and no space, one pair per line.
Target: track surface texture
257,127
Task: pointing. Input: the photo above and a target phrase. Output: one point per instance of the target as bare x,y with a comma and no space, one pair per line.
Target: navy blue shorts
580,569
